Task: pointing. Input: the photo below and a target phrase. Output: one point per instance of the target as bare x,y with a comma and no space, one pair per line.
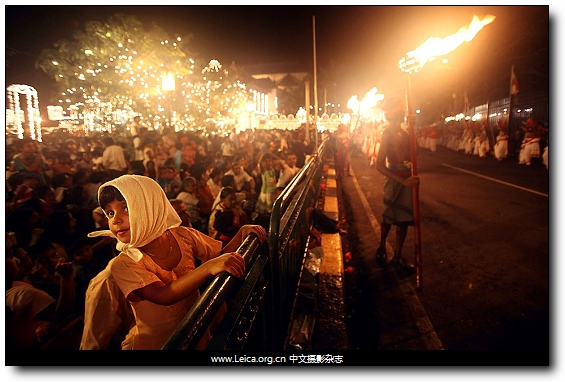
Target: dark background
358,47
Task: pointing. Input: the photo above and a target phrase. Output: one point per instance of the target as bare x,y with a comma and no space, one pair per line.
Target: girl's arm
184,286
243,232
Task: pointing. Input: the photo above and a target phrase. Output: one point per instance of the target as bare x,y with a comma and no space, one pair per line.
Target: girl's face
118,220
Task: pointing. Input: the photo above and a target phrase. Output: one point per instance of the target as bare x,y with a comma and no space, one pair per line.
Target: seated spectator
78,194
43,275
243,181
95,180
83,162
26,225
204,195
214,181
225,224
29,160
59,229
34,316
62,183
229,181
24,190
288,170
268,184
227,201
151,170
180,207
45,194
190,200
63,164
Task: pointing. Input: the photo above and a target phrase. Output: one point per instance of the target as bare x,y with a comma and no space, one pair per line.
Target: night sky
362,46
359,46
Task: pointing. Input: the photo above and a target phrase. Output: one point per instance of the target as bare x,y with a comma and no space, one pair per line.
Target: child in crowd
155,269
268,184
228,201
188,196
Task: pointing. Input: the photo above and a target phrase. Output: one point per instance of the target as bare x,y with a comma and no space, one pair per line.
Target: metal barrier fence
259,307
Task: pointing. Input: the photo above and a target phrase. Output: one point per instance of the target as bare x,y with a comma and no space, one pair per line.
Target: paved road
485,251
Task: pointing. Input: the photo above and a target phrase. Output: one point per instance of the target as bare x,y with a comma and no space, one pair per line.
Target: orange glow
370,100
168,82
435,47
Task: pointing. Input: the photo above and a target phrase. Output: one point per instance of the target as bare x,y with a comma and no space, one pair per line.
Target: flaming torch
412,62
371,98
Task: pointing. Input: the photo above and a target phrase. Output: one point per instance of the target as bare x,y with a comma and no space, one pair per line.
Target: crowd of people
76,203
63,269
528,143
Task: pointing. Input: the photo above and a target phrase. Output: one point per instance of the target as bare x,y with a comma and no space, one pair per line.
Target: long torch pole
315,82
416,188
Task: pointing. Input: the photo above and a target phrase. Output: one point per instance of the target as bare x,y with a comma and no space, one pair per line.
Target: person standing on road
501,145
530,144
343,156
393,161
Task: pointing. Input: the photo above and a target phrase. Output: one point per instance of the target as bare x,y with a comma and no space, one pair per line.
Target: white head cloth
150,212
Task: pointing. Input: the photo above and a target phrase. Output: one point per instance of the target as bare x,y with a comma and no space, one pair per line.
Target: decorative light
19,116
168,82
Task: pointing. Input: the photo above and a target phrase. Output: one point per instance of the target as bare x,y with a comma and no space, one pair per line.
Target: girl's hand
256,229
232,262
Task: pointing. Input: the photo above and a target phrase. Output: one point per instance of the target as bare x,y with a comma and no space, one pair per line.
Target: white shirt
287,174
240,179
215,188
113,158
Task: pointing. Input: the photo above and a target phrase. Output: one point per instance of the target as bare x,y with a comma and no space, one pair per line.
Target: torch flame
370,100
353,103
435,47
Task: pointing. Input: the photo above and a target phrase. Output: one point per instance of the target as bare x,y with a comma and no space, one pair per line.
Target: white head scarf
150,212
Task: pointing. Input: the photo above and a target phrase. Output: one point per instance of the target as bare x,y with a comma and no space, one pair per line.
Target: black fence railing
259,307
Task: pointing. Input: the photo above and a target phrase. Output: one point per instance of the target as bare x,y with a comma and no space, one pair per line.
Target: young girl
225,225
188,195
156,267
228,202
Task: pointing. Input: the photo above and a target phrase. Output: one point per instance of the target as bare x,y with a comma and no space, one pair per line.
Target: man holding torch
393,161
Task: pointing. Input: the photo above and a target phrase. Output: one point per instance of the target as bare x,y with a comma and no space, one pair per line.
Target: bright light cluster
16,117
366,108
113,75
190,102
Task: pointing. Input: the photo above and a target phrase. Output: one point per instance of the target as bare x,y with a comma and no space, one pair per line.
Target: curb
331,331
